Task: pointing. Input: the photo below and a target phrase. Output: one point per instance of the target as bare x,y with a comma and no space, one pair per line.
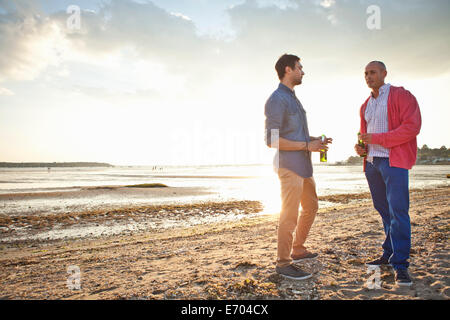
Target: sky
169,82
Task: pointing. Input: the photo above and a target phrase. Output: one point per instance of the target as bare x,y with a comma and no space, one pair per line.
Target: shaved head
374,74
380,64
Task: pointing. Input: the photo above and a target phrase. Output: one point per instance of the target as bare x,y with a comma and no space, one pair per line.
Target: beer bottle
362,145
323,153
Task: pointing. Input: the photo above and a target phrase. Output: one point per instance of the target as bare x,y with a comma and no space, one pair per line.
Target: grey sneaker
303,257
293,272
402,277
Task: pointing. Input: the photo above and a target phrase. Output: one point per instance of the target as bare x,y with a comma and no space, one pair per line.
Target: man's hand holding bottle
361,146
317,145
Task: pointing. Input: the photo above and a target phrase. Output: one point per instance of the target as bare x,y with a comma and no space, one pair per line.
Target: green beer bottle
362,145
323,153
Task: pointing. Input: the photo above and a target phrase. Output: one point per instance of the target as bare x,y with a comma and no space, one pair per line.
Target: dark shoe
378,262
402,277
303,257
293,272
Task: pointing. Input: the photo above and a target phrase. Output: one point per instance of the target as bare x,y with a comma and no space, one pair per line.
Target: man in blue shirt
287,131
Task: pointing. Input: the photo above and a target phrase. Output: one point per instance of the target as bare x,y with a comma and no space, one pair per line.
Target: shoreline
235,260
108,222
121,219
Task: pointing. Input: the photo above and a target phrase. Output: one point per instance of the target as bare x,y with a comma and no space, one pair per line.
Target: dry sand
235,260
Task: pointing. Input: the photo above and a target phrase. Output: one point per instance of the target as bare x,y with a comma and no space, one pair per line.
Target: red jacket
404,122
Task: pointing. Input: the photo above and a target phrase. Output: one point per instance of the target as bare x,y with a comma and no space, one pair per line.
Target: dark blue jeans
390,194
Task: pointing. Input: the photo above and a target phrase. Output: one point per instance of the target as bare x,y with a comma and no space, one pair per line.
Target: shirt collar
383,89
286,88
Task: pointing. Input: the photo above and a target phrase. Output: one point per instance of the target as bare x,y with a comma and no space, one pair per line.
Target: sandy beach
229,260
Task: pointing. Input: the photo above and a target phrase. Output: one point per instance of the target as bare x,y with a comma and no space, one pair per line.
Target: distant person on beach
390,122
287,130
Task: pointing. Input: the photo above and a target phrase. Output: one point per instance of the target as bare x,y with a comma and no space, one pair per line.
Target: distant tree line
352,160
425,155
52,164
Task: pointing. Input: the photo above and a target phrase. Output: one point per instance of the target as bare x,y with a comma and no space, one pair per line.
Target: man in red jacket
390,122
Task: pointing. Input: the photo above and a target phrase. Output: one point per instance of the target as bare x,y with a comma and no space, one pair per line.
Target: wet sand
103,222
235,260
98,197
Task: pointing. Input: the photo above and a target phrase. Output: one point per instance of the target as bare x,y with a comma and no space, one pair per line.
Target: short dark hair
381,64
286,60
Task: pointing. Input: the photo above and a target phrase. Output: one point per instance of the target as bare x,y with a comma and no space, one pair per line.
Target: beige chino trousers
295,190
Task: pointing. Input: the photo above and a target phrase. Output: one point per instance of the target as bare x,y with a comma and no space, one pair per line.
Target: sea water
218,183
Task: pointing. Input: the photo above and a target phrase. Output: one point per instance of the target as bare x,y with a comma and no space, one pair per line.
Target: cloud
155,33
282,4
330,34
334,34
180,15
5,92
29,41
327,3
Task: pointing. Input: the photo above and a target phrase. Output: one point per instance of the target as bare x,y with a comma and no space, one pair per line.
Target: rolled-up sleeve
274,110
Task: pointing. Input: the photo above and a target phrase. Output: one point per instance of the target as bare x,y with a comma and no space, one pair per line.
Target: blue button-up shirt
285,112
